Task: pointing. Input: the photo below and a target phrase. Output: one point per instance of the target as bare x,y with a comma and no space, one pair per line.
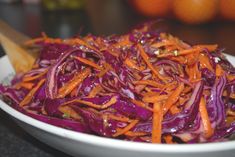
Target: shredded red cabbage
142,86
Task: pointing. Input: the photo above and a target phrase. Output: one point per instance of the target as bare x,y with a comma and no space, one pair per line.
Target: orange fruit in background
195,11
152,8
227,9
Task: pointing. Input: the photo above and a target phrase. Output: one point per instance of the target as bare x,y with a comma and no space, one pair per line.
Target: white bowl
78,144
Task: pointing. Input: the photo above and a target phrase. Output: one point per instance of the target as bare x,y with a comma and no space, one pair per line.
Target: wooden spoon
12,41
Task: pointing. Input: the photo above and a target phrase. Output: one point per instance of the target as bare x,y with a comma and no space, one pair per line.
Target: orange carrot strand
218,70
95,91
126,129
131,63
205,118
204,62
118,118
173,98
178,53
209,47
106,68
157,123
90,63
112,101
149,82
70,85
146,59
30,95
169,139
141,104
70,112
135,134
155,98
31,78
26,85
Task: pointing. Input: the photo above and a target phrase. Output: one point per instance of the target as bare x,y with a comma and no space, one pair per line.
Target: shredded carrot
177,42
178,53
112,50
173,98
209,47
205,118
100,42
204,62
70,85
230,119
168,86
74,92
126,129
118,118
53,41
149,82
193,72
179,59
146,59
196,80
141,104
163,43
189,72
136,75
230,77
86,61
31,78
187,89
230,112
174,109
70,112
106,68
148,89
182,100
132,64
26,85
232,95
123,42
95,91
135,134
219,70
192,58
80,42
154,98
207,92
197,72
169,139
157,123
148,94
30,95
139,88
112,101
35,66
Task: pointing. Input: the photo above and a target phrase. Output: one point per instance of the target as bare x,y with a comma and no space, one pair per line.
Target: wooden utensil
12,41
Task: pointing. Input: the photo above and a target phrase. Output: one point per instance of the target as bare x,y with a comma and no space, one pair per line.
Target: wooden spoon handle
12,41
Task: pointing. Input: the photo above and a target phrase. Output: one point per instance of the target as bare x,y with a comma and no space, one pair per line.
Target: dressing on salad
143,86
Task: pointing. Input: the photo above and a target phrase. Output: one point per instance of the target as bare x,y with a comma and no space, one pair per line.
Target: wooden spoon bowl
12,41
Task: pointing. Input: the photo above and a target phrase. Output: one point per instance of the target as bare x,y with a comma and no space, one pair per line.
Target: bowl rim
116,143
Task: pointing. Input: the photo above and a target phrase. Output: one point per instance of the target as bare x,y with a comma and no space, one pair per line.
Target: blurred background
196,21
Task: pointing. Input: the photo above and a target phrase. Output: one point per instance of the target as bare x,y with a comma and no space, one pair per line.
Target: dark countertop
98,19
